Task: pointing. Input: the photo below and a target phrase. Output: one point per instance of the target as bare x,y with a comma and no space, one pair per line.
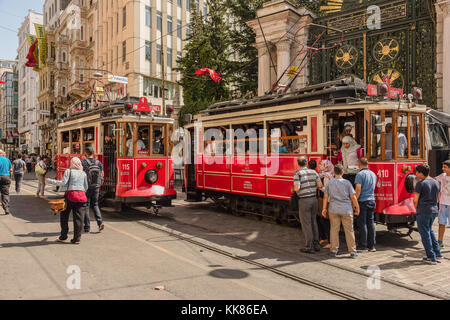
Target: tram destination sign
144,106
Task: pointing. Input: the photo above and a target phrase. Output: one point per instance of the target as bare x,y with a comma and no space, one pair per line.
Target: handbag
39,170
74,195
293,203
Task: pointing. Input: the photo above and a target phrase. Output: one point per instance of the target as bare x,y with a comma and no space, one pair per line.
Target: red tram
131,139
222,166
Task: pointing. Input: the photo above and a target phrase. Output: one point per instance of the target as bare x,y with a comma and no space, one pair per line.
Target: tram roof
112,111
349,91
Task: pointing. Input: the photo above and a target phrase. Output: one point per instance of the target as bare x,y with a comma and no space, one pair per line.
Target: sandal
328,246
323,242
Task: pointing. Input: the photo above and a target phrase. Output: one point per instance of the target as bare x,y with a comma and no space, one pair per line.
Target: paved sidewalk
399,259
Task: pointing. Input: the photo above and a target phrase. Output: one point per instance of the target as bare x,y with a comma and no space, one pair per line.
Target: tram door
109,157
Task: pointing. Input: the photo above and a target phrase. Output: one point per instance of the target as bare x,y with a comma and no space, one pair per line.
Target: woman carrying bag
75,181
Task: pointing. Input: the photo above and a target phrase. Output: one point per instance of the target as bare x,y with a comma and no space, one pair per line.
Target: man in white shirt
402,143
140,146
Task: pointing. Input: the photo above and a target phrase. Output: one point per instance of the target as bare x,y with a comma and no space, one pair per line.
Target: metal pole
163,71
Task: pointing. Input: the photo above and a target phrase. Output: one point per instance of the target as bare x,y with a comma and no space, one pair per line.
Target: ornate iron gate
403,49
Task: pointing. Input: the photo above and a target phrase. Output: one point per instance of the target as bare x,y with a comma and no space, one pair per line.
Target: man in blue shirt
94,171
5,180
365,182
426,204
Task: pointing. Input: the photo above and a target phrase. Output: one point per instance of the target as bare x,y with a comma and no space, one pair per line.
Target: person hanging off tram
402,143
350,153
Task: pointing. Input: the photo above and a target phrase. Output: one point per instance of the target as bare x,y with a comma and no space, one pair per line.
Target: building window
158,53
197,5
188,5
148,50
158,20
179,3
124,17
179,29
148,16
205,10
188,31
169,57
124,50
178,58
169,24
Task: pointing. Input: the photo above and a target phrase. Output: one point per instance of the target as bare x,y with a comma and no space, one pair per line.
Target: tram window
247,139
288,136
388,138
142,145
130,139
402,133
89,134
65,144
437,136
158,140
415,135
76,141
376,126
65,137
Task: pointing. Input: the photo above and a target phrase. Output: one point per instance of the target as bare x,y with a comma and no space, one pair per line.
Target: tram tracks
183,237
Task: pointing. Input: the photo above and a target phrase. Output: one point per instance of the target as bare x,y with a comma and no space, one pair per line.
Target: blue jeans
424,224
92,202
366,224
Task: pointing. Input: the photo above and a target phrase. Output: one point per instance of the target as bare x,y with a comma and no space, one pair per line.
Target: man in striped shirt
306,182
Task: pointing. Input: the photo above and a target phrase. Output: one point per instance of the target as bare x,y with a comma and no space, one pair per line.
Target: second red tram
223,167
134,147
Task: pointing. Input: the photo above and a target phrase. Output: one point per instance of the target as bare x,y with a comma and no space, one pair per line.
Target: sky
12,14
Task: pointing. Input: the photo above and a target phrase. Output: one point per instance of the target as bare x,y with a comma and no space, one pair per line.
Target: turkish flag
30,56
213,74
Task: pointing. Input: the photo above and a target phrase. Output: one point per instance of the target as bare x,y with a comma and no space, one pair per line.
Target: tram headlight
151,176
410,182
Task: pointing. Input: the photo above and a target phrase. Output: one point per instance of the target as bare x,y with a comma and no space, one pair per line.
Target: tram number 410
383,173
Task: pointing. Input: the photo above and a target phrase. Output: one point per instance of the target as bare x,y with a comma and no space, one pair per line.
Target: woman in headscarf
75,181
350,152
326,173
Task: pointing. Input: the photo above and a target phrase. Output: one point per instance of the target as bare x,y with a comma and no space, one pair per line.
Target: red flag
1,82
30,56
213,74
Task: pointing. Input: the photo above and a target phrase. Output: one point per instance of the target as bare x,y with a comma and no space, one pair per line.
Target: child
444,201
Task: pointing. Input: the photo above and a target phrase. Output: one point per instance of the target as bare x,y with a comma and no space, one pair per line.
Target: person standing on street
19,168
444,201
75,181
306,183
41,170
94,172
338,198
28,161
426,204
365,182
5,180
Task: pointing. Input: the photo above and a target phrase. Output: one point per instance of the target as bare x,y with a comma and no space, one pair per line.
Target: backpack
94,174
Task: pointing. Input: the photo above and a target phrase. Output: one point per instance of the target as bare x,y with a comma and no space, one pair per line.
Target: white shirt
402,145
140,146
444,180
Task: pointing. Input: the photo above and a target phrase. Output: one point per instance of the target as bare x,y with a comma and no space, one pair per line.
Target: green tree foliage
244,71
208,47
